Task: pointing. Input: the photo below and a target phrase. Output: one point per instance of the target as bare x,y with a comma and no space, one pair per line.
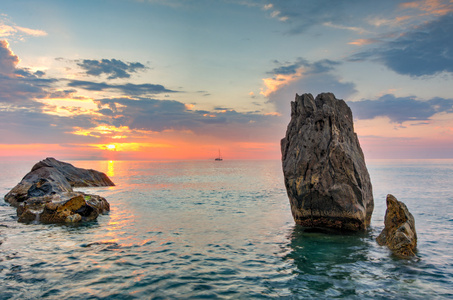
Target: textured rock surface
46,195
399,232
77,177
41,182
326,178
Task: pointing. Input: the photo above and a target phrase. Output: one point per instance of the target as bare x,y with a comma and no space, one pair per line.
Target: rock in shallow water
76,177
326,178
399,232
45,194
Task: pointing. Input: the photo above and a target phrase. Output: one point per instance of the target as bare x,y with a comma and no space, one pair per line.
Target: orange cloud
68,105
209,115
103,131
130,147
273,84
363,42
430,7
189,106
388,22
274,113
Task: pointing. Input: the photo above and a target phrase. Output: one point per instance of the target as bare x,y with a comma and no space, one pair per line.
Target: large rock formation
399,232
77,177
324,168
45,194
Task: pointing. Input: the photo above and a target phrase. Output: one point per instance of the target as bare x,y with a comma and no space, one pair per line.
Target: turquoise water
205,229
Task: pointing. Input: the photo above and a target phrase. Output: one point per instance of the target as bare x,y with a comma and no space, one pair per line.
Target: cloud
25,126
8,60
351,28
128,89
19,86
288,68
24,118
302,15
145,114
152,114
401,109
11,30
300,77
344,15
289,73
29,31
430,7
278,81
424,50
362,42
34,110
113,67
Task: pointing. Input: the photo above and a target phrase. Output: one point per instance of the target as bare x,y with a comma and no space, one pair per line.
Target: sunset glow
186,91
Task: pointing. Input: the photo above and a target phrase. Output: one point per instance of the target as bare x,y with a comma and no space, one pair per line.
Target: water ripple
192,230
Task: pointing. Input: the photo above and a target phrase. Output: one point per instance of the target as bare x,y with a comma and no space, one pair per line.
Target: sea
224,230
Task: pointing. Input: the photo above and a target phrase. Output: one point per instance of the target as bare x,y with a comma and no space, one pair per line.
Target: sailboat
219,158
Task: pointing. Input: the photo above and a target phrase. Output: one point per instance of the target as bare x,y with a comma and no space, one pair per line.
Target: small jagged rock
326,178
399,231
45,194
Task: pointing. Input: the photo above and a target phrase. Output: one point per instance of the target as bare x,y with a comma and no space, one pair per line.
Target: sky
183,79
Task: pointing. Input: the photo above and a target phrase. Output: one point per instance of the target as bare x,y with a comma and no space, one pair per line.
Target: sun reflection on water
111,168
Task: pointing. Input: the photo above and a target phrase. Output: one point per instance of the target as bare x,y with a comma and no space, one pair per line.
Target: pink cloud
430,7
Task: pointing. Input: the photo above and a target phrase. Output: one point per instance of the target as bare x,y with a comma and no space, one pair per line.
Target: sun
111,147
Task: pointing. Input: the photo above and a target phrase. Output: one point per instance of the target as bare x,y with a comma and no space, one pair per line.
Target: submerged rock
45,194
399,232
326,178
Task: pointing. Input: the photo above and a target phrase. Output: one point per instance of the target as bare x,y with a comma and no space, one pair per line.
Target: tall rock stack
326,178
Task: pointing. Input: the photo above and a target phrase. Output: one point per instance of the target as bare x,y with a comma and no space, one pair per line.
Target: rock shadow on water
333,264
322,245
326,262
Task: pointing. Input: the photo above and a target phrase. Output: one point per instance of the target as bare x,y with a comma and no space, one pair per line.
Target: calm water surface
205,229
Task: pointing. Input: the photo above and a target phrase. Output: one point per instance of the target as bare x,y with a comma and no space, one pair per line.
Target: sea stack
399,232
326,178
45,194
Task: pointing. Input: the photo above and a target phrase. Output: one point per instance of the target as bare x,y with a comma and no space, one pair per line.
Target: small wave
101,245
